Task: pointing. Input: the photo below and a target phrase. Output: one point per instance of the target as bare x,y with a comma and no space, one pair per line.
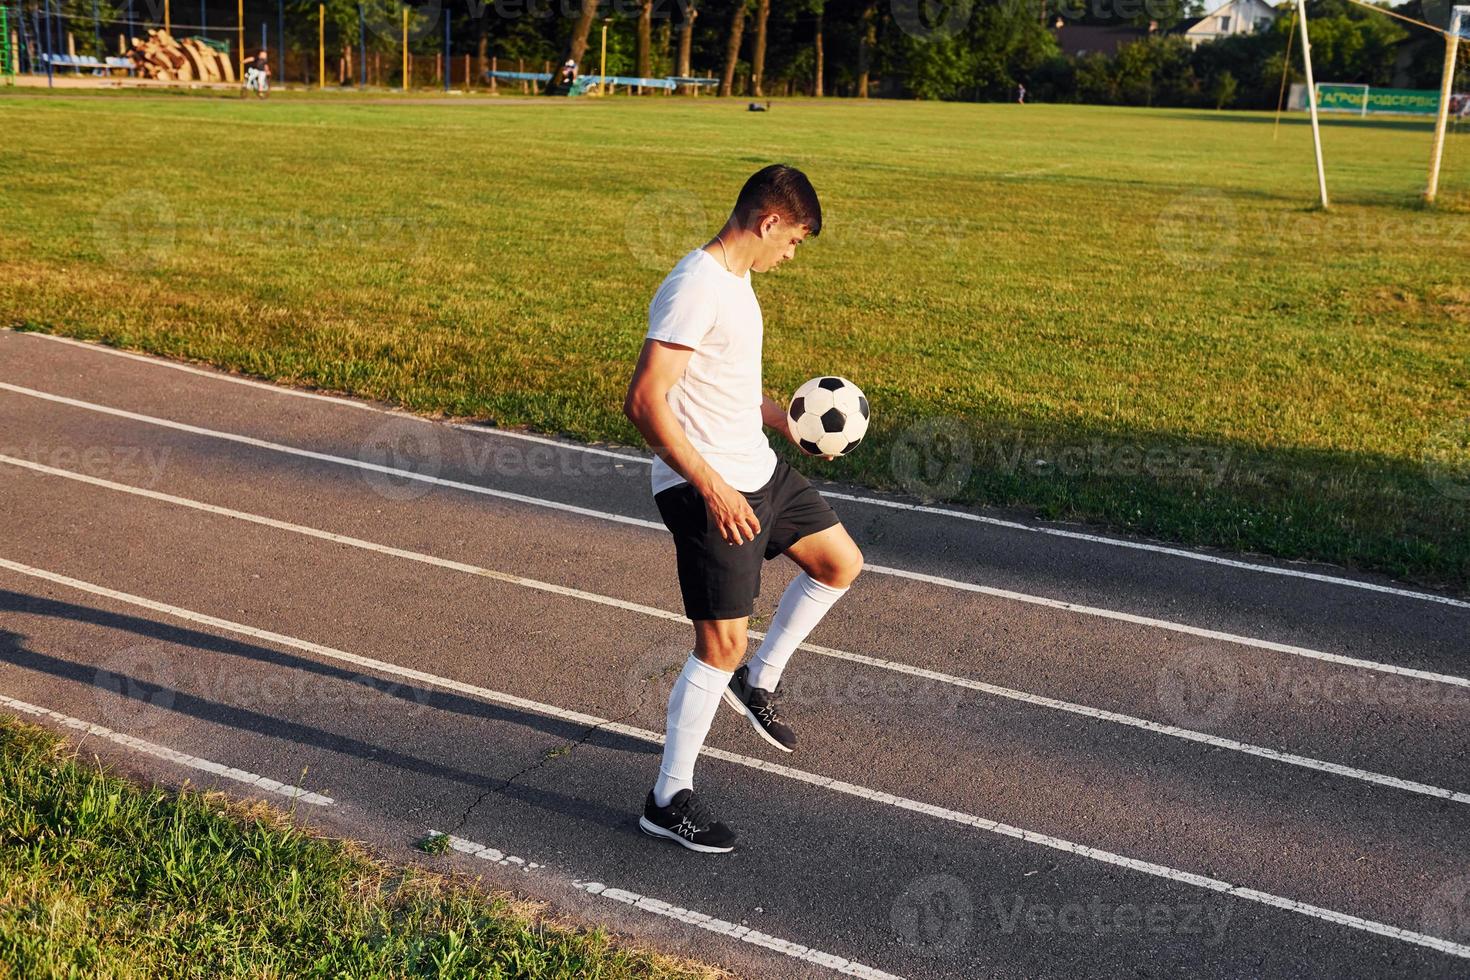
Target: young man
731,505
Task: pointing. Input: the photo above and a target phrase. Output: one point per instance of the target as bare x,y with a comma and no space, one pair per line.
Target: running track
1028,751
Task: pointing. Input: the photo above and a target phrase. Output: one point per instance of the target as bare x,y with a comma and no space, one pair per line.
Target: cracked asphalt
986,785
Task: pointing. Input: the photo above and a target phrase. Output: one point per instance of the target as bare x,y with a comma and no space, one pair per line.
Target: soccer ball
828,416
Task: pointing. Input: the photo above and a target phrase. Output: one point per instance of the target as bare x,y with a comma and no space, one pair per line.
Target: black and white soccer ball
828,416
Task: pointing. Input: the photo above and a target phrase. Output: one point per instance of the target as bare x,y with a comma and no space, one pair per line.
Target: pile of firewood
164,57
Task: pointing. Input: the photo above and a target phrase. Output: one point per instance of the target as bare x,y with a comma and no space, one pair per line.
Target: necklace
725,258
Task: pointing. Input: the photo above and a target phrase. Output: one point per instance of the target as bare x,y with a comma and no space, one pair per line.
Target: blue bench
77,62
584,81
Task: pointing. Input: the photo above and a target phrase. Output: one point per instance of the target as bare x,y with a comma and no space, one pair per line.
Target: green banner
1349,98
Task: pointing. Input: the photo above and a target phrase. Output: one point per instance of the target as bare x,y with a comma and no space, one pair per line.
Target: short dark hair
783,190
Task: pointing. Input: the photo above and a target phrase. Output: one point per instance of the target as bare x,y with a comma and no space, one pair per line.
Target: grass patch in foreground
1131,317
102,877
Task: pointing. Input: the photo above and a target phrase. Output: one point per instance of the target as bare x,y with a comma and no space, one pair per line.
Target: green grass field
101,877
1130,317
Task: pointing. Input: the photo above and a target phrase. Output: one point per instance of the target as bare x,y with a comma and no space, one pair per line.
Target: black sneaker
687,821
759,706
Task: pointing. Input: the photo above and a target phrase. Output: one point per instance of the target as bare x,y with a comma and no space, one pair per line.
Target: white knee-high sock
802,607
692,706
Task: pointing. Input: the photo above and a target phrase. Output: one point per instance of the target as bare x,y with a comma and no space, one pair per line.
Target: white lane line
1011,525
950,583
168,754
1149,621
1099,714
656,906
854,498
322,457
775,769
212,373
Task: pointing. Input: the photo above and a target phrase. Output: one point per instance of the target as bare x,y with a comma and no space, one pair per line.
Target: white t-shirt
717,401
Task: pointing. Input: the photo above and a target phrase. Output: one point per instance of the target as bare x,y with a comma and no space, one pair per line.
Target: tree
732,46
817,9
645,38
868,41
576,47
686,36
758,58
1350,44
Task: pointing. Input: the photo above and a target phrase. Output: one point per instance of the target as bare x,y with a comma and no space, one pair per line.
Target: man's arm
775,417
660,366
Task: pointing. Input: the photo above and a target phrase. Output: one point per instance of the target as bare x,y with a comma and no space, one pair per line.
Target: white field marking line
168,754
854,498
1037,700
950,583
658,907
775,769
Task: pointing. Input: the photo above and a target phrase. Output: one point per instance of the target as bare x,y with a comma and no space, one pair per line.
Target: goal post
1301,9
1459,27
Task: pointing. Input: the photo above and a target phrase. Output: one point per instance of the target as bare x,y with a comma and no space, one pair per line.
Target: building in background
1232,17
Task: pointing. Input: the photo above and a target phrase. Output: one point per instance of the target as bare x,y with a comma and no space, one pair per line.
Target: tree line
976,50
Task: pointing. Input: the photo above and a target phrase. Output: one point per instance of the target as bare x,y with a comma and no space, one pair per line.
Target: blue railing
671,82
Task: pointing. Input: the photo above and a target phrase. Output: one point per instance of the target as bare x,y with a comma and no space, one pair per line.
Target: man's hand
730,512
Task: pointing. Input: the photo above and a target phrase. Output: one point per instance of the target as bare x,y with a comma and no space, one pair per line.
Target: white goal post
1459,27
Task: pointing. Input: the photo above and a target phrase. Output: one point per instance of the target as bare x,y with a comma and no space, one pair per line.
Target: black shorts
720,580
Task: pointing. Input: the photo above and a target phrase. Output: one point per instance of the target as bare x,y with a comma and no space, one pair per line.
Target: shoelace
763,705
696,813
